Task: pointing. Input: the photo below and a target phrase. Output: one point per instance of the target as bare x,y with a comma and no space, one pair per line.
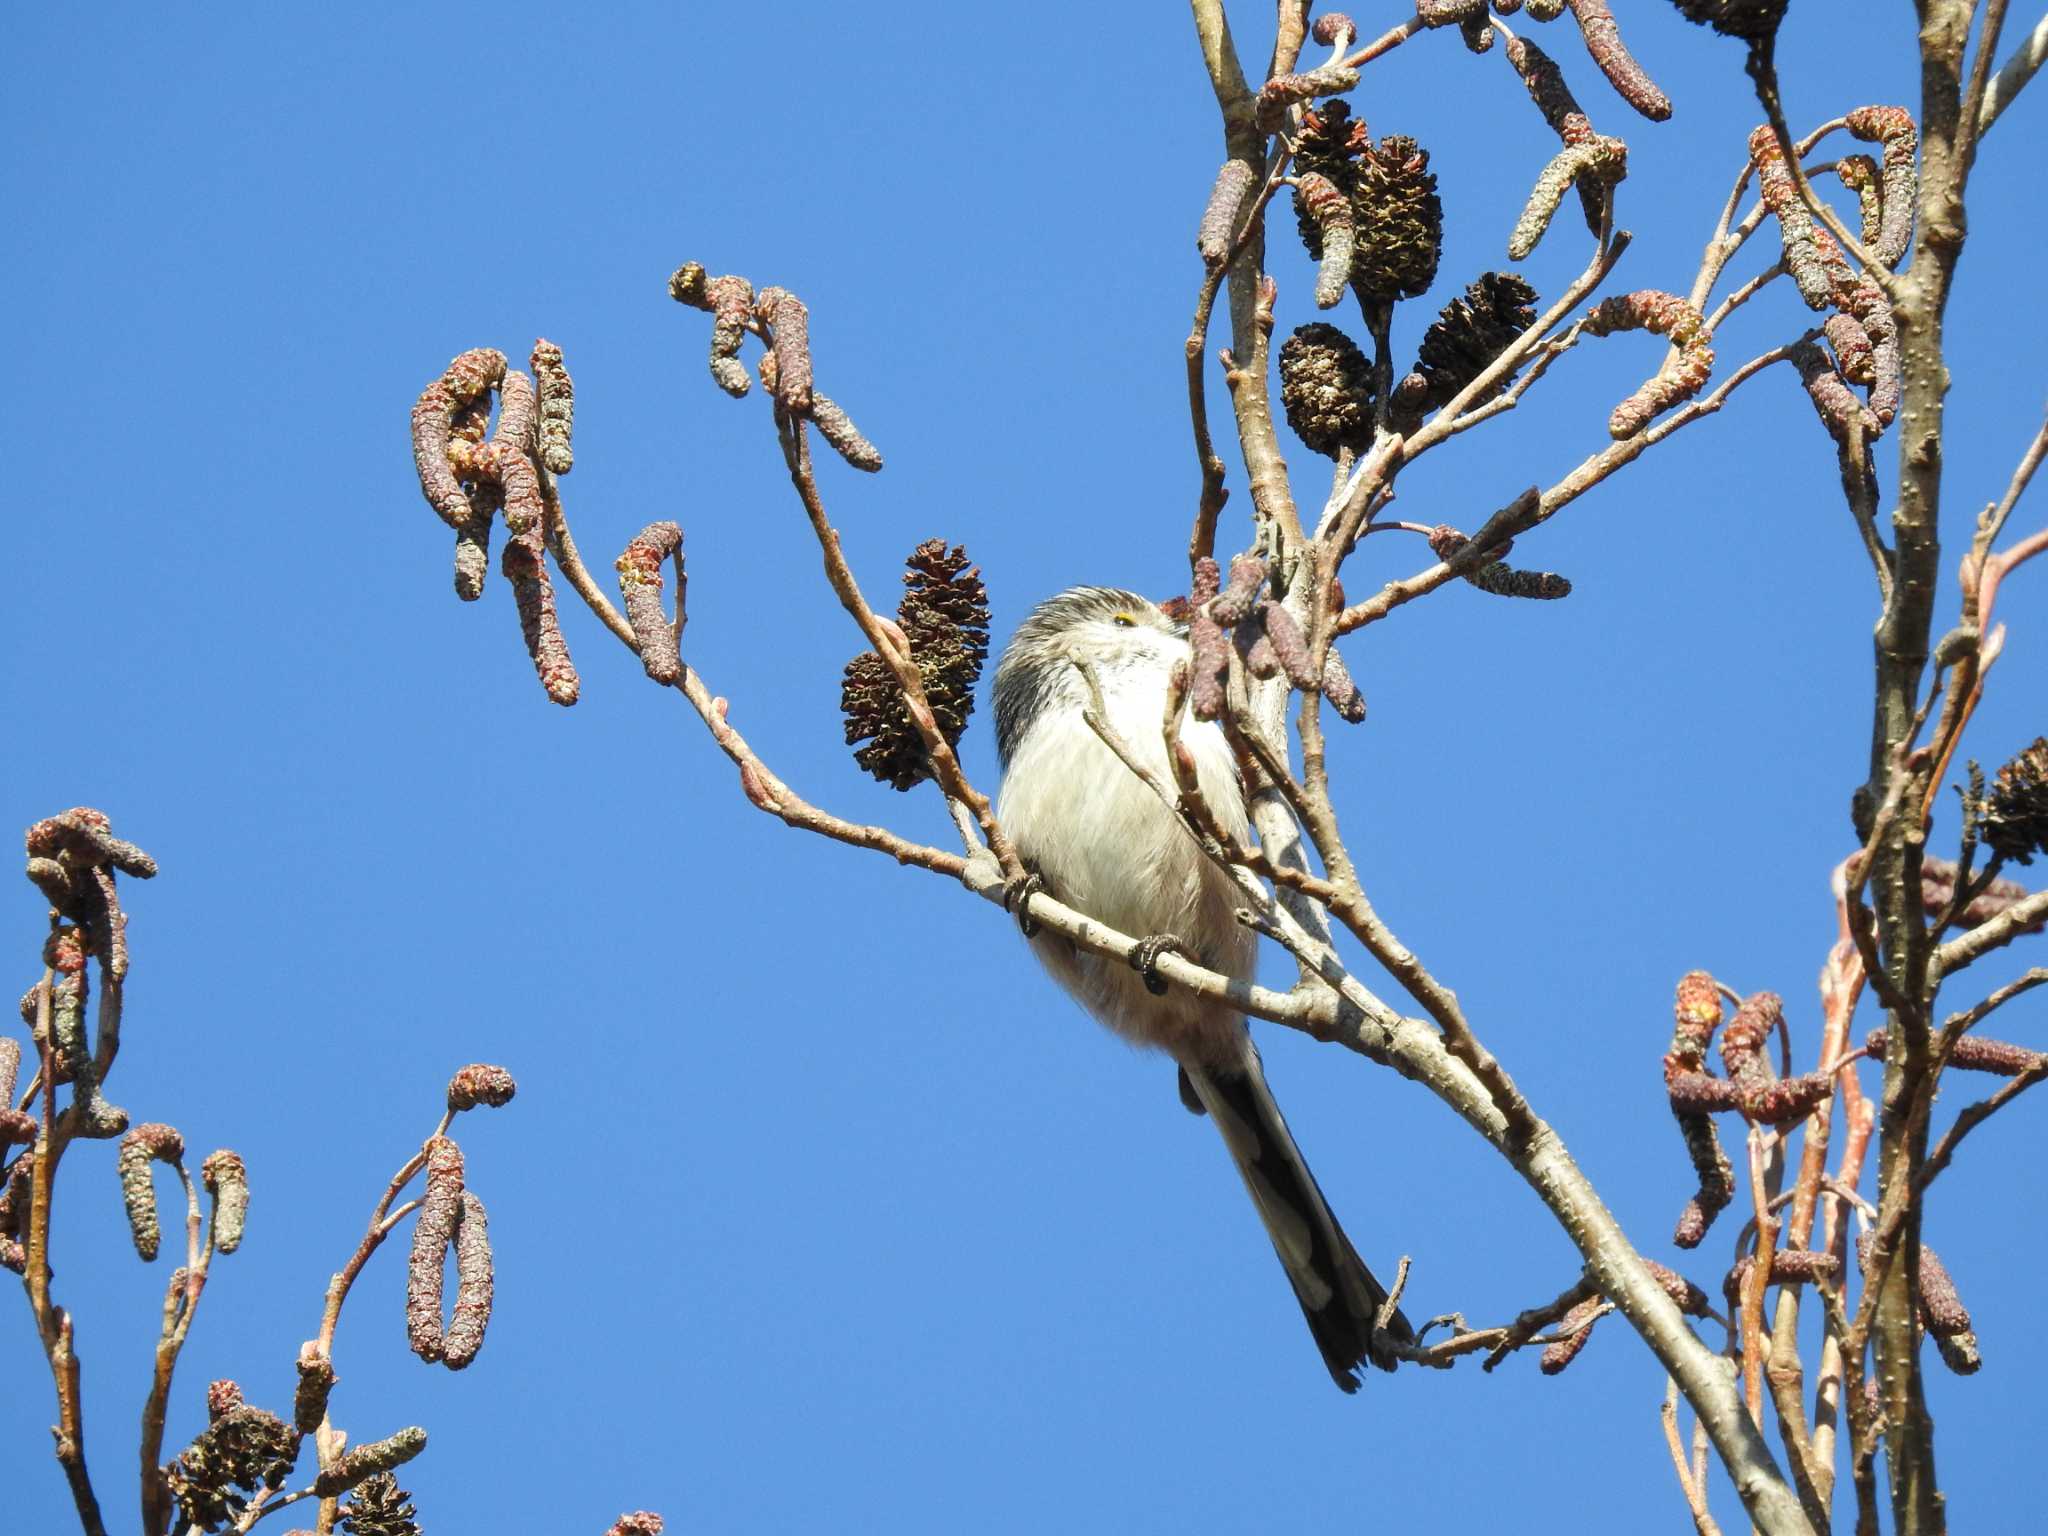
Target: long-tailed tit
1105,844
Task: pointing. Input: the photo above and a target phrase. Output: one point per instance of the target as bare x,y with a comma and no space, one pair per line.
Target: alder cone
1326,388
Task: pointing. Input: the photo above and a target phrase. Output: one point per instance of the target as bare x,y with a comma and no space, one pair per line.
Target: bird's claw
1145,959
1017,901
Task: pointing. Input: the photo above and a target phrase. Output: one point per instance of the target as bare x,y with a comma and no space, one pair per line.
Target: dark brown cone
1326,388
944,616
2014,814
1470,332
1400,221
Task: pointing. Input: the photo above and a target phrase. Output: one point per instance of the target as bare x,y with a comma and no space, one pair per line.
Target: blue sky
819,1208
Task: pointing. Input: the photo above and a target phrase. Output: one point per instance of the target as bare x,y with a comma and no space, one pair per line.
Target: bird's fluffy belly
1106,845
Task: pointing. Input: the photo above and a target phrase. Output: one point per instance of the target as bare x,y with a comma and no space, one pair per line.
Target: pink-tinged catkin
1449,13
1210,675
1947,1319
1577,1331
15,1199
72,859
316,1382
1795,225
82,838
1234,602
1743,1041
1861,300
533,594
1662,314
90,1114
1330,211
1790,1266
1218,228
1342,692
1596,162
363,1461
1696,1016
557,407
1786,1100
1496,575
1284,91
641,1522
153,1142
1255,646
473,1285
222,1399
226,1178
1893,128
10,1068
1833,400
1851,345
789,324
730,303
484,495
1290,646
1860,175
507,458
1547,88
480,1083
468,377
1603,41
440,1214
1688,1298
1972,1053
837,428
639,568
1938,888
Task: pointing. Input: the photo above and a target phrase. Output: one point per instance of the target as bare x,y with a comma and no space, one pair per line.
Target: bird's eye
1123,621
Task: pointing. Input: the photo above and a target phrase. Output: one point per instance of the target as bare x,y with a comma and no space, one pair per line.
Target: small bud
1333,29
222,1397
480,1083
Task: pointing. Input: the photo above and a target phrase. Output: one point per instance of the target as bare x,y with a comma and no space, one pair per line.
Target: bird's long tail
1339,1296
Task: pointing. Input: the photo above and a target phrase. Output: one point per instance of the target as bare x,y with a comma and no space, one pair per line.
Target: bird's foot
1145,959
1017,901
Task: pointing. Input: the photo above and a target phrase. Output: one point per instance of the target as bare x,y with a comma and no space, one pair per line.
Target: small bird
1100,840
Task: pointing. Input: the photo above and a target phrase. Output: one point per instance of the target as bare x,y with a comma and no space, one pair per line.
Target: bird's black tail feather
1339,1295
